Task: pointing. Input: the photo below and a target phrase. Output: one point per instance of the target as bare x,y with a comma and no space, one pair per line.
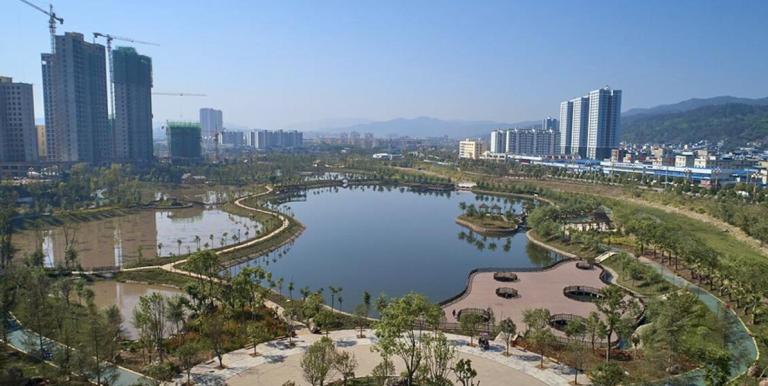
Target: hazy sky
278,63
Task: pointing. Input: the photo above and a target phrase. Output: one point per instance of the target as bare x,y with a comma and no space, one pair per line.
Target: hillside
734,123
695,103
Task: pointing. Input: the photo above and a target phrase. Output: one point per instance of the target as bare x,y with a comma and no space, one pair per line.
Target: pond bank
483,230
543,244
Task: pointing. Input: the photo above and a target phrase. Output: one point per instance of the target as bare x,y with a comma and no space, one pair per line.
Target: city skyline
338,63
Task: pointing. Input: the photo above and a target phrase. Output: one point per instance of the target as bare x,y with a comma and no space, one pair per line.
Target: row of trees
409,330
741,281
62,309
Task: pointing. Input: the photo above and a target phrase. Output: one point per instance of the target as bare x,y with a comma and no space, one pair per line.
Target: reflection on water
126,296
393,241
209,197
146,234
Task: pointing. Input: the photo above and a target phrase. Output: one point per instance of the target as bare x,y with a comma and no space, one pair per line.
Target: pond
126,297
391,241
146,234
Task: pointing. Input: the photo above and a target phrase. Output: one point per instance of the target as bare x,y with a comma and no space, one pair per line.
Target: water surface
121,240
126,297
391,241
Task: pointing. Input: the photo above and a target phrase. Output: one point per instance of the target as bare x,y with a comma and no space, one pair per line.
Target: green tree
258,332
97,344
465,373
325,320
716,363
606,374
36,305
189,354
397,330
149,318
576,330
382,371
614,305
317,361
595,328
507,329
345,364
539,334
361,319
470,323
438,355
214,334
174,311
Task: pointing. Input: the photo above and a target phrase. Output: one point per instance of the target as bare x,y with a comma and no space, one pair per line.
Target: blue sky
280,63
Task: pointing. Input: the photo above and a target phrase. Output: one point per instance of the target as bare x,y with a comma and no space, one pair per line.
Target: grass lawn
726,246
154,276
646,281
577,249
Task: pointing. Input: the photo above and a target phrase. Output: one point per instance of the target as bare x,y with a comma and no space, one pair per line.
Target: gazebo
506,292
505,276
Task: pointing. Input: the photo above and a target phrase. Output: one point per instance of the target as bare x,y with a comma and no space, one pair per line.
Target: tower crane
111,82
52,19
178,94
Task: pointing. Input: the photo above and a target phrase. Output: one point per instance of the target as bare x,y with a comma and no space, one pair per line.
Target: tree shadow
208,380
274,358
346,343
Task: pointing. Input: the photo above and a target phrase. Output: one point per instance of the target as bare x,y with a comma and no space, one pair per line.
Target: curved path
171,267
18,338
278,363
740,340
285,223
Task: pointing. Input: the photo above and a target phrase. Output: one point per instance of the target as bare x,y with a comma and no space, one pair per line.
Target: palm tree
334,291
178,242
367,302
160,249
197,240
304,293
280,285
290,290
341,300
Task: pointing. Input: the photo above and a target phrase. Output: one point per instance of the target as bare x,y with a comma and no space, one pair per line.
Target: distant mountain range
733,119
736,120
734,123
429,127
695,103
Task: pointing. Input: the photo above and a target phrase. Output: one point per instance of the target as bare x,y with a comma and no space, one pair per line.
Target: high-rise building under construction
75,100
132,78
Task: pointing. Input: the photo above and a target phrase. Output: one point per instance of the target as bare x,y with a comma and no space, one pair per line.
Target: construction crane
109,39
52,19
178,94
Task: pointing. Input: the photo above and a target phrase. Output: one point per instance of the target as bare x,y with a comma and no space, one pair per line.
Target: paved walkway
537,289
278,363
19,338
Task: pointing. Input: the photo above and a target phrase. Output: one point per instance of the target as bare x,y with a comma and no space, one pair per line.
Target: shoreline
486,231
550,247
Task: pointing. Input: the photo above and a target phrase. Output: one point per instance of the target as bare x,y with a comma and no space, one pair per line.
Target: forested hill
735,123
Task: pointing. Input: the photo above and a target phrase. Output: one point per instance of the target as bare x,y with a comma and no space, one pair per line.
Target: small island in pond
489,219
